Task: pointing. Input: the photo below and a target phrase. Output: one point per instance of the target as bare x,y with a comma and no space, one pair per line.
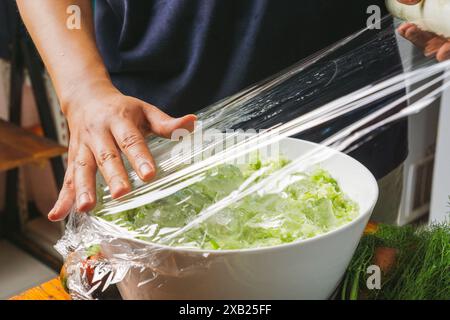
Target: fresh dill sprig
421,269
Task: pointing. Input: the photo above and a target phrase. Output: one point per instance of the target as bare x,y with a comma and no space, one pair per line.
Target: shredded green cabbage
312,205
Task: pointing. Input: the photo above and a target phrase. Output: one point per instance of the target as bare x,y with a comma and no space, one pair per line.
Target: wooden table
51,290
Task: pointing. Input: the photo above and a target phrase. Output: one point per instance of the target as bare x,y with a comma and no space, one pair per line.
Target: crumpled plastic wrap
241,184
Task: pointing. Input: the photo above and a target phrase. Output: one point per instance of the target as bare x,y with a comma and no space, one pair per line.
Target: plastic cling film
244,207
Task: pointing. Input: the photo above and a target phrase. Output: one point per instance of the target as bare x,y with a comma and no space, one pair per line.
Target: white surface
422,130
440,207
308,269
19,271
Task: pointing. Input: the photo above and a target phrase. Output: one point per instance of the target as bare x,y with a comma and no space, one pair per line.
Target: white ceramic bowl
306,269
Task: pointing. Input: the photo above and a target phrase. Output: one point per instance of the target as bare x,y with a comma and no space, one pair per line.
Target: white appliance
440,201
427,169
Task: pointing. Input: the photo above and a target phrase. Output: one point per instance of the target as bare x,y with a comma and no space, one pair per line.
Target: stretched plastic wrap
244,207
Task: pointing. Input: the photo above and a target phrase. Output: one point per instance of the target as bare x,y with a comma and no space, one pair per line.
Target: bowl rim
210,252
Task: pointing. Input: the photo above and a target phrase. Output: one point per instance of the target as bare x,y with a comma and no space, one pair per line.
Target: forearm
70,55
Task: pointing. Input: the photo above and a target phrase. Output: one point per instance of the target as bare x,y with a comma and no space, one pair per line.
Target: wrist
83,90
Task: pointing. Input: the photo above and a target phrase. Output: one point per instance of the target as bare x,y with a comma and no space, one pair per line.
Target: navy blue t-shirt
182,55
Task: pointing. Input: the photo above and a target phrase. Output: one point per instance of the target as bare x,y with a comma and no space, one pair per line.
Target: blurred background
33,136
31,166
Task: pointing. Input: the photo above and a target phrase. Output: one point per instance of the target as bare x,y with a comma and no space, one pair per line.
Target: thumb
163,125
167,127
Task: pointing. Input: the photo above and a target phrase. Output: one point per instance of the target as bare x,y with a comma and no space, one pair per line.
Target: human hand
100,124
431,43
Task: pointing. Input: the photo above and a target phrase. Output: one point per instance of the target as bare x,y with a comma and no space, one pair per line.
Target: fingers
65,199
404,27
163,125
429,42
132,143
97,146
418,37
110,164
131,140
79,181
444,52
84,179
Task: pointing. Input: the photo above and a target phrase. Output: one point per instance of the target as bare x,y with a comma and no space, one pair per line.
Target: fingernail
145,169
84,199
117,187
51,215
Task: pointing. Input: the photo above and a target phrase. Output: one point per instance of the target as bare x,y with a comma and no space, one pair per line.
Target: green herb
421,269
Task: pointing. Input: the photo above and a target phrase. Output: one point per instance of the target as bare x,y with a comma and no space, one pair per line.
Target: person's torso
182,55
186,54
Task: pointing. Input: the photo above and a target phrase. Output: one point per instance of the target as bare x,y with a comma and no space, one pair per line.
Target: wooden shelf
19,147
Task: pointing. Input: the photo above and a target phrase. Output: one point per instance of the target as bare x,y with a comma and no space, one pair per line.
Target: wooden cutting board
51,290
